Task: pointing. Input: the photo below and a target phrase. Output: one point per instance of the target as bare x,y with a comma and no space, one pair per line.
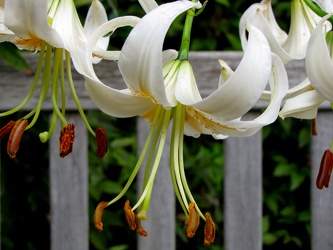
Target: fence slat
69,191
160,224
242,192
321,200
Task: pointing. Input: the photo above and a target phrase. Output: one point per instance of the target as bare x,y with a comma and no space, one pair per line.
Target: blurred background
286,212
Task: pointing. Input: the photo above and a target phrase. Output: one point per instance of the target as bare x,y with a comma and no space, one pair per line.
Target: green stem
54,92
141,158
316,9
166,121
34,84
74,95
185,45
45,85
181,160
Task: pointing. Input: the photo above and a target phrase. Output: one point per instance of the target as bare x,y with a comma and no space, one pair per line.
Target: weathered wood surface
243,195
243,171
160,224
321,200
69,191
205,64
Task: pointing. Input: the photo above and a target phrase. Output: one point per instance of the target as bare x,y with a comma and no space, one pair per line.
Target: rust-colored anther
66,139
209,230
314,127
325,170
15,137
141,231
98,215
102,142
192,220
6,129
129,215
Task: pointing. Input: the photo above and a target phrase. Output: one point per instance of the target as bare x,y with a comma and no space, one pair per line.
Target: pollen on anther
209,230
6,129
141,231
98,215
66,139
192,220
15,136
129,215
101,141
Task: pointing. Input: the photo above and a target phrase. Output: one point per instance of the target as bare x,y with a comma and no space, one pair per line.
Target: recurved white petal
140,61
318,63
302,106
117,103
244,87
96,16
28,20
85,63
148,5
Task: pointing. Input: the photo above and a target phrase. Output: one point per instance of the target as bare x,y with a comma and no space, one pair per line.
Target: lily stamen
129,215
325,170
209,230
15,137
66,139
98,215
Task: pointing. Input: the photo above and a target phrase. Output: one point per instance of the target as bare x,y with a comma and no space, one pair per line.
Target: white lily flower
325,5
5,33
161,89
287,47
318,62
54,29
303,104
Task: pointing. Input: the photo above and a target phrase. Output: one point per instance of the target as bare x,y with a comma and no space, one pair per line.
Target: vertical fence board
160,224
321,200
243,193
69,191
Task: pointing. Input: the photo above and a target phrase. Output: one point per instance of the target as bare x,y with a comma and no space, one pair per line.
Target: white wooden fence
243,172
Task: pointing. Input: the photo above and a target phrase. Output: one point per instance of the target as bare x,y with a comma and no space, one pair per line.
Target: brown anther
314,127
192,220
325,170
15,137
209,230
6,129
129,215
141,231
66,139
98,215
102,142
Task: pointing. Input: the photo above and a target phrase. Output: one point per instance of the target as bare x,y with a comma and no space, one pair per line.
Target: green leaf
265,223
296,179
282,169
269,238
223,2
110,187
11,55
119,247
